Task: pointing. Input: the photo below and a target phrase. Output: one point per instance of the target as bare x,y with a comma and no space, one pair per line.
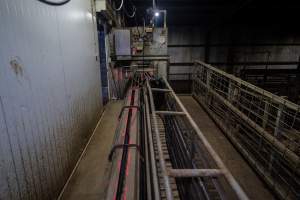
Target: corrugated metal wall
50,94
281,44
188,43
182,51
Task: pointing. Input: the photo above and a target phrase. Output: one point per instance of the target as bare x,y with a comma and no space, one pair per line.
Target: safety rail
264,127
194,172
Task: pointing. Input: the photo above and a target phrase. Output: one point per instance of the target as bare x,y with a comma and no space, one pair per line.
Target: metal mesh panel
264,127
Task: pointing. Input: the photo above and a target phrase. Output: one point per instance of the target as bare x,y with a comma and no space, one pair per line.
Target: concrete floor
90,179
249,181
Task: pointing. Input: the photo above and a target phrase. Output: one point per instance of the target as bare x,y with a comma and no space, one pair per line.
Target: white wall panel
50,94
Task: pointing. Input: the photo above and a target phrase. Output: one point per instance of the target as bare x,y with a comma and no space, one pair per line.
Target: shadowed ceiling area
209,13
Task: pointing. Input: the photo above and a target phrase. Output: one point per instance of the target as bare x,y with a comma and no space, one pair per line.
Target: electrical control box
149,41
122,42
144,47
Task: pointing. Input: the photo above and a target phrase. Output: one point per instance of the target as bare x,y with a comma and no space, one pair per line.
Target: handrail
166,178
263,126
261,91
228,176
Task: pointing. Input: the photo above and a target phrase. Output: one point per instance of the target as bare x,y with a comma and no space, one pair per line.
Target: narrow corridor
89,180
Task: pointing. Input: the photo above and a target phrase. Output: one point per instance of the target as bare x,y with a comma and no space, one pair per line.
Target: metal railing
218,172
264,127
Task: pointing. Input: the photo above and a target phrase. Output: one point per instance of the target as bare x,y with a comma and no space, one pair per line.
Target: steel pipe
291,156
169,112
260,170
249,85
231,180
166,180
160,90
263,127
151,149
188,173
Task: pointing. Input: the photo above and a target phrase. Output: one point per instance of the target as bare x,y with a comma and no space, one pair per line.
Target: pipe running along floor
242,172
91,178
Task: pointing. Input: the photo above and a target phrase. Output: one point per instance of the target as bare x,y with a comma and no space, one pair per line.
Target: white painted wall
50,94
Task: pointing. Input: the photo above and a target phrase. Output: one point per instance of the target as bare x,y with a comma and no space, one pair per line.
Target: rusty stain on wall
16,66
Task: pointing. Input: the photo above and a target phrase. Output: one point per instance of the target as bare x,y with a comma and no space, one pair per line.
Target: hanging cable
126,12
119,7
137,28
133,12
58,3
153,4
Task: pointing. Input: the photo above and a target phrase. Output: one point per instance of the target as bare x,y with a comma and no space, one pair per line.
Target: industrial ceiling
209,13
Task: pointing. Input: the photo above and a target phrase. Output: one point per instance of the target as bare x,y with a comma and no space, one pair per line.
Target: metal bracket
117,146
127,107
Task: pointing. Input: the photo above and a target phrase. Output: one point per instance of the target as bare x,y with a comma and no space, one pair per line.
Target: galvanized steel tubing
227,175
193,180
127,178
166,180
264,127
